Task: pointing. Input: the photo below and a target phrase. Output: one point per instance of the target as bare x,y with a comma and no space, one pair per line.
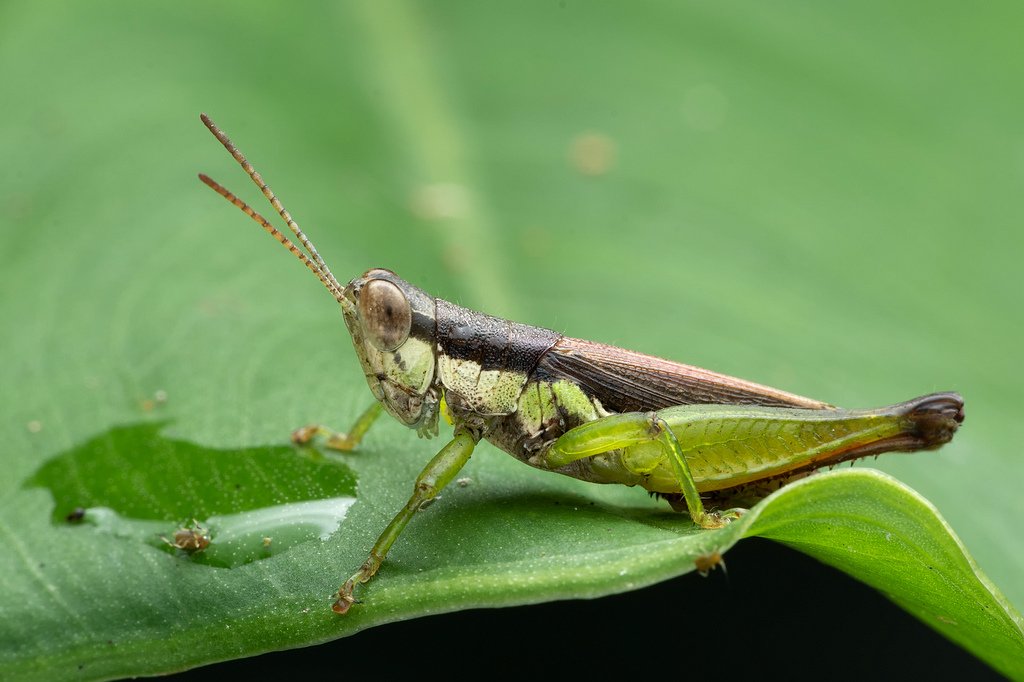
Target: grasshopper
578,408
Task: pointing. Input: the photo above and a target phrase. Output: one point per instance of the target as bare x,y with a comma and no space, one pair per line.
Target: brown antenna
274,232
313,261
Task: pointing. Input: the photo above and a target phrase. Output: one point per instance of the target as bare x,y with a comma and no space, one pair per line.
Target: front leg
336,440
436,475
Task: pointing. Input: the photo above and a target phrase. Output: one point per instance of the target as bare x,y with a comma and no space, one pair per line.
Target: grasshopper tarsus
343,602
345,596
346,441
335,440
304,434
713,521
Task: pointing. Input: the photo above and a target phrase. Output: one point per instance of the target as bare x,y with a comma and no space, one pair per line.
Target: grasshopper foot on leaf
713,520
720,519
337,440
345,599
345,595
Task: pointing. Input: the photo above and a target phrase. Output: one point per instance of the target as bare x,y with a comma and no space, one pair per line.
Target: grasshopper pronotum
578,408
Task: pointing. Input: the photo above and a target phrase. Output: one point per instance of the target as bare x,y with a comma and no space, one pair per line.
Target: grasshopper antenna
331,284
313,261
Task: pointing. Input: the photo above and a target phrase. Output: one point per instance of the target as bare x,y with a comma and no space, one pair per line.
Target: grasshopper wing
627,381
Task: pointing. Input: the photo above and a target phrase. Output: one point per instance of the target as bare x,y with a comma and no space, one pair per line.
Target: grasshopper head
393,327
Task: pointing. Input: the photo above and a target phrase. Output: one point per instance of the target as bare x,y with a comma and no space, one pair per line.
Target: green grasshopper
578,408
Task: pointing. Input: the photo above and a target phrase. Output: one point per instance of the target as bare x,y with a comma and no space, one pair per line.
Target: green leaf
820,198
478,546
878,530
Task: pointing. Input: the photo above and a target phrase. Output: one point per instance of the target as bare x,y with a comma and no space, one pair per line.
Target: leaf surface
817,198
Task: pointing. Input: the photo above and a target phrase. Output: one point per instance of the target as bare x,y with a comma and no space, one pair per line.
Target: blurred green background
826,198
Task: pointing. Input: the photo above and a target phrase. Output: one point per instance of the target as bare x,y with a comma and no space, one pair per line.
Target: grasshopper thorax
393,329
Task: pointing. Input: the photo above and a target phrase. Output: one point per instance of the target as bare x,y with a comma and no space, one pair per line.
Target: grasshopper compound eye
385,313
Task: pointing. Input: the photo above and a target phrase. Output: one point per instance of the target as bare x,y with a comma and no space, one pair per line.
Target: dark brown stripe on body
491,342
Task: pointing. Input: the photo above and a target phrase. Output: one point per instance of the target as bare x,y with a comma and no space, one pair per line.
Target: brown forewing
627,381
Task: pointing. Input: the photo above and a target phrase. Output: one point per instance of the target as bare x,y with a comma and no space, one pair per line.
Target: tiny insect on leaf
189,539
